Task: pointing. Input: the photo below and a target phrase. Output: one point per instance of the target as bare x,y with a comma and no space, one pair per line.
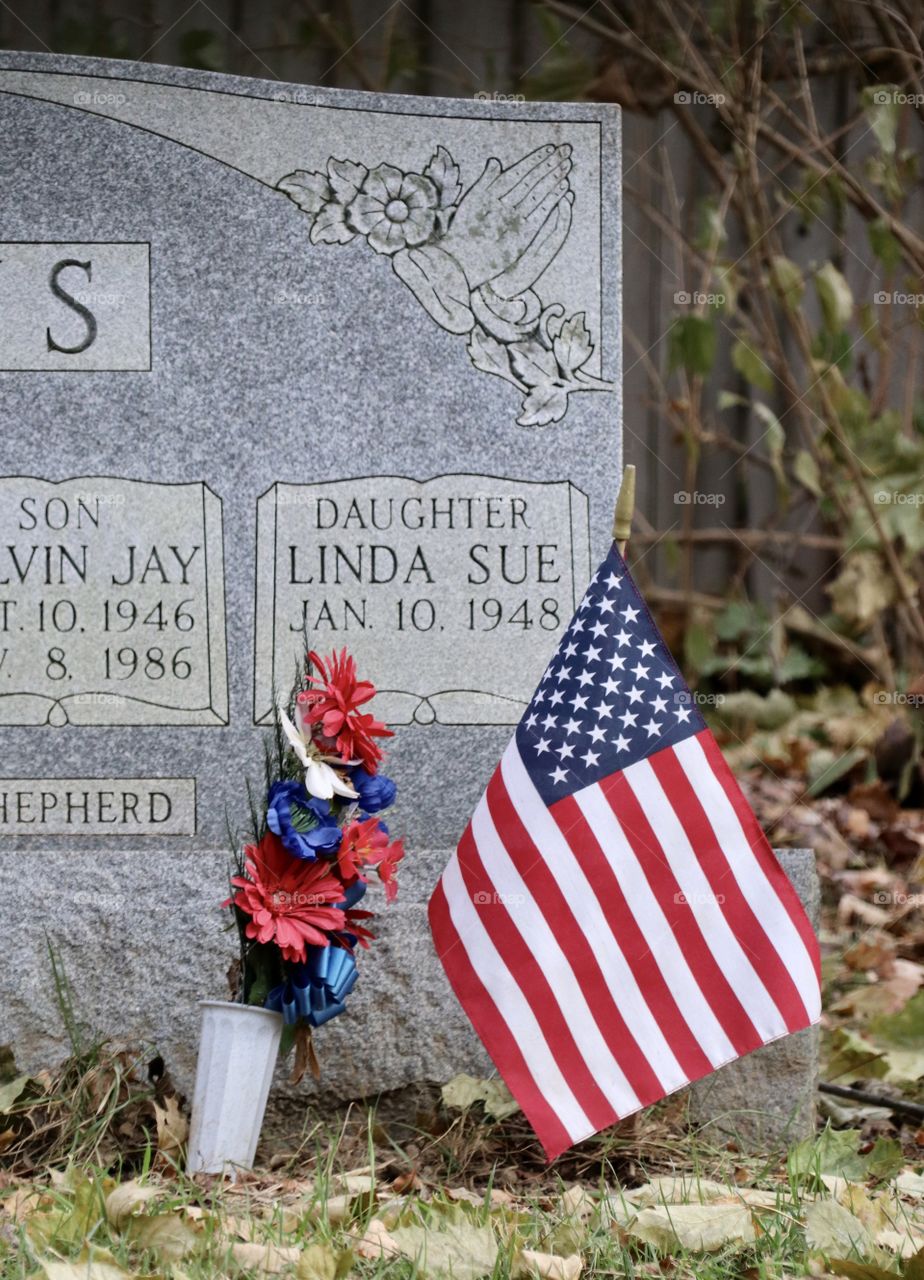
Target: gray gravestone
276,360
766,1101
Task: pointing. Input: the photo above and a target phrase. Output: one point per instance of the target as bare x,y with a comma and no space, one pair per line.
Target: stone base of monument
766,1101
238,1049
403,1026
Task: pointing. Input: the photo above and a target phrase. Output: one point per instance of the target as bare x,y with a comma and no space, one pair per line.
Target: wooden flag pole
625,508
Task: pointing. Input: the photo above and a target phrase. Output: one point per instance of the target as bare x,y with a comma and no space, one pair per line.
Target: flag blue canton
611,696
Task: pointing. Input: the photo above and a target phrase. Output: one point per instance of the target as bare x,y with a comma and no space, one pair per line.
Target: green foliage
693,344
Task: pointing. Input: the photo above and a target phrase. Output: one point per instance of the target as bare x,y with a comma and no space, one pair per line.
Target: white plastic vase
237,1053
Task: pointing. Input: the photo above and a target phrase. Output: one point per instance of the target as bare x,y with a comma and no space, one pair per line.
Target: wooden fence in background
458,48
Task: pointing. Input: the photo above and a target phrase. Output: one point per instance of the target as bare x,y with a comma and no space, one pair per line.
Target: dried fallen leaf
90,1264
376,1242
455,1251
548,1266
122,1202
577,1203
172,1128
697,1227
171,1235
911,1184
834,1230
464,1091
269,1259
317,1262
901,1243
353,1184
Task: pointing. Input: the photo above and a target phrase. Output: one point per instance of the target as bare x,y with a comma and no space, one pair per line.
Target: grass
92,1186
473,1185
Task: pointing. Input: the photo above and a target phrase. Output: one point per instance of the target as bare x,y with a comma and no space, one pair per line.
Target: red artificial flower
387,870
360,844
289,901
333,706
365,844
362,935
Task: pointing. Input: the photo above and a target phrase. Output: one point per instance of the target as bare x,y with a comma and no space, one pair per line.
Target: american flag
614,922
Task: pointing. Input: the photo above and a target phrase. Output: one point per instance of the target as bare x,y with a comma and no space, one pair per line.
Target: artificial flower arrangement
318,836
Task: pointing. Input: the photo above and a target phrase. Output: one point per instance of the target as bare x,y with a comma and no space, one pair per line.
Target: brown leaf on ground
268,1259
172,1128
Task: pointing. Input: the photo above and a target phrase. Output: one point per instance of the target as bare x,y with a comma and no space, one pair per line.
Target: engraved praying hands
472,258
512,222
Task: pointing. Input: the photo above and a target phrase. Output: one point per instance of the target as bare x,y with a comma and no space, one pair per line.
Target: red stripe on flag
730,899
706,970
755,837
693,1060
514,950
491,1028
542,884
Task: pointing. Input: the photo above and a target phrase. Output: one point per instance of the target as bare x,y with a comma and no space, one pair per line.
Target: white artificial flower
320,779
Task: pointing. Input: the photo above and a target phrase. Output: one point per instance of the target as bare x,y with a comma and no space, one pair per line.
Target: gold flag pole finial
625,508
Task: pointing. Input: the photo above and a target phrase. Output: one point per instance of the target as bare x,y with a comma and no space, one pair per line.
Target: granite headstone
277,363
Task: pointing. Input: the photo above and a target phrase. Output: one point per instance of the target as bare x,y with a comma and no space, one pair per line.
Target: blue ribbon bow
316,989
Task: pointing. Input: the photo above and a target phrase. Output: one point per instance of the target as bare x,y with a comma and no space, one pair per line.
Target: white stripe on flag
511,1004
665,949
526,916
548,839
729,954
762,897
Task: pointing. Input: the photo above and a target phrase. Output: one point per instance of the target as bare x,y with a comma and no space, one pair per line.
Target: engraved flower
394,209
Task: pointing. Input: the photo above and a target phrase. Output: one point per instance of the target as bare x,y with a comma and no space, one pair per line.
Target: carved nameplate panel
111,603
424,581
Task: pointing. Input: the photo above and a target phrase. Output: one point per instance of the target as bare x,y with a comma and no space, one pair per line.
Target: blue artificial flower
302,825
323,840
376,792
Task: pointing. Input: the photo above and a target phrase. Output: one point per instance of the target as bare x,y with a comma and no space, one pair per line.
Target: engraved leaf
444,173
489,355
573,346
543,405
554,318
310,191
346,177
533,363
329,226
